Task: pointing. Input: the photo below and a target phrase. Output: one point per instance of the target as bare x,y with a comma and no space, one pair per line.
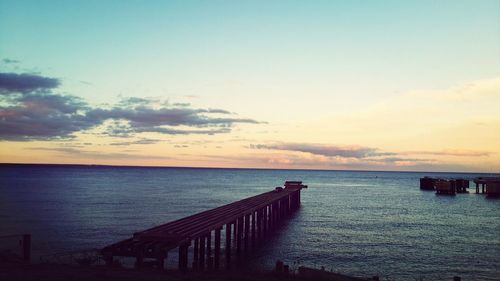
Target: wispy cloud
171,131
181,146
351,151
457,153
337,156
140,141
471,91
400,160
10,61
73,152
181,104
312,161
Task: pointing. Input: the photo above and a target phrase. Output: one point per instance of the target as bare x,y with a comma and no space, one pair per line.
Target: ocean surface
359,223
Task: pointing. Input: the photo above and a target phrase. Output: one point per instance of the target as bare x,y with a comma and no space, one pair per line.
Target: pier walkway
245,223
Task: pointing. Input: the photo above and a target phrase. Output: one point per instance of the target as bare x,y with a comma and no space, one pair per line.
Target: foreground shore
56,272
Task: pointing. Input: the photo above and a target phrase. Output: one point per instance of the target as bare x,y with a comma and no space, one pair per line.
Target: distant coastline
238,168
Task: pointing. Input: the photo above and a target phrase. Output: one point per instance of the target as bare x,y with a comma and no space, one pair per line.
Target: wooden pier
244,224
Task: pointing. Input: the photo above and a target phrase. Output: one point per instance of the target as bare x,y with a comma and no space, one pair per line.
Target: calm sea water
360,223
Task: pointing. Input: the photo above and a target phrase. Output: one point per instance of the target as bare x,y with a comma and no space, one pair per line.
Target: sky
356,85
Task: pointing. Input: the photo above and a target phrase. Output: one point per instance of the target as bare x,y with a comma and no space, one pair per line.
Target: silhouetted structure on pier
443,186
484,185
427,183
244,222
489,185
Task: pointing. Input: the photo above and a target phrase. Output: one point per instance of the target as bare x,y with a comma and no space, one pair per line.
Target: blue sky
282,62
415,43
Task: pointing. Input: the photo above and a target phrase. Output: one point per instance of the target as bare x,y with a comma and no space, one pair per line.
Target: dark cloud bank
30,110
25,83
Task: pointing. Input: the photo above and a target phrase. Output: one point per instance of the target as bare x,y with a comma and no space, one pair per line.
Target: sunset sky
362,85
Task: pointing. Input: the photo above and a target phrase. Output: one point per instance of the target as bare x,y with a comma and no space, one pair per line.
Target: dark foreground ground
55,272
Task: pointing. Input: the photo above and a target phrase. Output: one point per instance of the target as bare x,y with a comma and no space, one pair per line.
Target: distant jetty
484,185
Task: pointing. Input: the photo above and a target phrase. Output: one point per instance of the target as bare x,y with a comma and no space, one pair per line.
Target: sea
360,223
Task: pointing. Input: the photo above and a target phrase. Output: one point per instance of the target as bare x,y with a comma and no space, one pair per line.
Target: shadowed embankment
55,272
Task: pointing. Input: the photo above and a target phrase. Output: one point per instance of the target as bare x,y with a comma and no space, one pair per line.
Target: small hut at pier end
489,185
427,183
444,187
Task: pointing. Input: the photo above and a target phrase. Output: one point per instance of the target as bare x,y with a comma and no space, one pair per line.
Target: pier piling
228,245
217,249
27,247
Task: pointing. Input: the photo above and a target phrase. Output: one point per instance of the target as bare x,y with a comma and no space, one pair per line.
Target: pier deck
245,222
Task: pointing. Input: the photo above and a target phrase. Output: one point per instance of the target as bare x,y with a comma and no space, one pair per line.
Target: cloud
458,153
85,83
326,150
181,146
141,141
170,131
323,156
312,161
169,120
43,116
182,104
73,152
29,110
471,91
25,83
10,61
145,116
335,156
400,160
265,160
46,101
430,112
135,101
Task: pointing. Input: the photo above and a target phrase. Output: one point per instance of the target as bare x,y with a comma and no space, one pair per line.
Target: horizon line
240,168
